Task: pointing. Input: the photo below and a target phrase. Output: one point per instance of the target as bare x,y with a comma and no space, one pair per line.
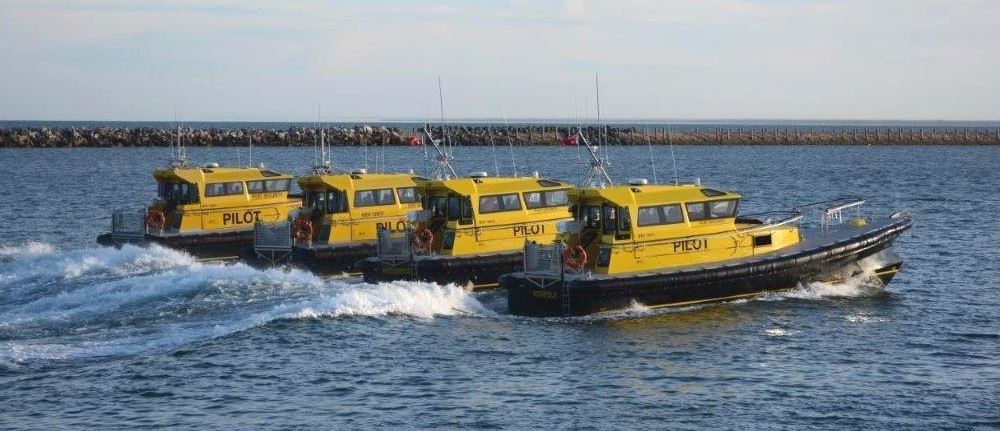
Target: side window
722,209
660,215
215,189
363,198
234,188
498,203
385,197
672,214
255,186
533,200
277,185
696,211
649,216
408,195
556,198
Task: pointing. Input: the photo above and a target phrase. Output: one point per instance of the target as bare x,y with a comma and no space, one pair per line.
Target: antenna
493,148
652,164
444,126
251,150
323,164
509,143
672,158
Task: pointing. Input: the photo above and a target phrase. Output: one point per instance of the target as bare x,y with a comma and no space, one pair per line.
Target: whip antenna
652,164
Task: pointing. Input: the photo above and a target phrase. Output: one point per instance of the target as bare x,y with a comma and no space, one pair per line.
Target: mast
442,162
180,154
443,168
324,158
598,174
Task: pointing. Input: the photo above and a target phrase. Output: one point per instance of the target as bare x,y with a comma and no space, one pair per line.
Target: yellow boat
674,245
472,230
342,214
208,211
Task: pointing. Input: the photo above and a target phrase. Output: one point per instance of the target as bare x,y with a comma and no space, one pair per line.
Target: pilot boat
342,214
678,245
471,230
208,211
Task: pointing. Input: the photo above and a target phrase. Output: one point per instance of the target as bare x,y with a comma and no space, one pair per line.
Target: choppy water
137,337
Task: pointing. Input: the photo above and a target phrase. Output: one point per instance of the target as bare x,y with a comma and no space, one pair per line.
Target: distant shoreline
479,134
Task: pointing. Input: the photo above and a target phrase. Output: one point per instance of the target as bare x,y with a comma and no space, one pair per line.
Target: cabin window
660,215
499,203
553,198
408,195
255,186
722,209
696,211
177,193
316,200
590,216
277,185
336,201
453,208
223,189
610,220
624,220
466,210
366,198
437,206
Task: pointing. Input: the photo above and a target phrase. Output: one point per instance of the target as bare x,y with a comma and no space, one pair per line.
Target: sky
254,60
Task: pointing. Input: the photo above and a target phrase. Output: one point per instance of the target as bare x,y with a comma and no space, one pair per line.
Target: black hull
699,285
482,271
226,245
333,260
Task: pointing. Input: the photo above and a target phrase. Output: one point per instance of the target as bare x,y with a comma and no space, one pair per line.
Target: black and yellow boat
471,230
686,245
342,215
208,211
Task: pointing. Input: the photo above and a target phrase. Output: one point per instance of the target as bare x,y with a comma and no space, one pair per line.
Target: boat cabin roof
479,186
358,181
653,194
203,175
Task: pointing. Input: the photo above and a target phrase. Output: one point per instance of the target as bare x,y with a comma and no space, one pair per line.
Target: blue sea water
140,338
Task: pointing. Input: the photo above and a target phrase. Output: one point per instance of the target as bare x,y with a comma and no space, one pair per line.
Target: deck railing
128,225
394,250
272,242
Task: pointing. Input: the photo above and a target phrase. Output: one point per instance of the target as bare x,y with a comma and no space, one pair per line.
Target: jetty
487,134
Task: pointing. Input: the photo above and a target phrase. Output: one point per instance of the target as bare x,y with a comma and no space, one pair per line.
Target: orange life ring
302,230
575,257
415,142
155,219
422,239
